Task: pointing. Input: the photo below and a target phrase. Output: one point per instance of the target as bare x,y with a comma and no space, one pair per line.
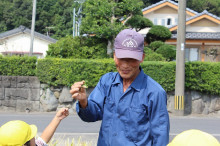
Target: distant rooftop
163,1
198,15
23,29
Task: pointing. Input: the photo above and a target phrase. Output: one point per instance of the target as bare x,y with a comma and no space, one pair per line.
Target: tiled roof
204,12
200,35
23,29
198,15
163,1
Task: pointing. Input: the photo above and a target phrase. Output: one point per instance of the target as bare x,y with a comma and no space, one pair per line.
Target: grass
69,142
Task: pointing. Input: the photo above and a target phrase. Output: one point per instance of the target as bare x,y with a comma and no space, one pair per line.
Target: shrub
155,45
167,51
158,33
78,48
152,56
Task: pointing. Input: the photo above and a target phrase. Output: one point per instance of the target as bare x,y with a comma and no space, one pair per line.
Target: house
17,42
202,30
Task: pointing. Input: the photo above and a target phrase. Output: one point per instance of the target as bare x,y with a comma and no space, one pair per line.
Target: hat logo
130,43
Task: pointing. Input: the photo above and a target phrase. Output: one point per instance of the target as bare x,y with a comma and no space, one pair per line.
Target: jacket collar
136,84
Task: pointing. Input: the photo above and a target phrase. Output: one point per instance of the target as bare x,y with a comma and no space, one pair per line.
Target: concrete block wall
18,93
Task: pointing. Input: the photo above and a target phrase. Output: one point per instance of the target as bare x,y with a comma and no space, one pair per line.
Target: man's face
128,68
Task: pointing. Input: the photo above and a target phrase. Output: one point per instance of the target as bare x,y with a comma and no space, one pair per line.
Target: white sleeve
40,142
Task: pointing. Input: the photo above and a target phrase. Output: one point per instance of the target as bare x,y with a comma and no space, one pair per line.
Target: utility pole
76,28
33,27
180,60
74,22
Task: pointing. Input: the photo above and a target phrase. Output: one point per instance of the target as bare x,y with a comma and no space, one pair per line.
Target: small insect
84,86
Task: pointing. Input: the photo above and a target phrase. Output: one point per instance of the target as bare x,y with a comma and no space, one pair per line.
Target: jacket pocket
136,124
109,106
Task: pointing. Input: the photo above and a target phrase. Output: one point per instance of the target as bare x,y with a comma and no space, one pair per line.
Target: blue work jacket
137,116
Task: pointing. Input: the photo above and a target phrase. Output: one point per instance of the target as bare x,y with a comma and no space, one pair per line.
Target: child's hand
62,113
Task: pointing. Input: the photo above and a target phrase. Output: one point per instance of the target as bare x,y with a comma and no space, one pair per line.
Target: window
163,22
155,21
176,21
169,21
191,54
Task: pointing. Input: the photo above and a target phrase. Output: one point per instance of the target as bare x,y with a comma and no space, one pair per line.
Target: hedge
200,76
203,76
67,71
17,66
162,72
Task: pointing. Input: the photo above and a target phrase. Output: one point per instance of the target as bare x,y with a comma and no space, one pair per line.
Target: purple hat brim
121,53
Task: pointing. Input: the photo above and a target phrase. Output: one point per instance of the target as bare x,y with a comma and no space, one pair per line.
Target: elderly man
131,105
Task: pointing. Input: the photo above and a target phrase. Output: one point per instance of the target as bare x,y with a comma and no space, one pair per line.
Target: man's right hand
79,93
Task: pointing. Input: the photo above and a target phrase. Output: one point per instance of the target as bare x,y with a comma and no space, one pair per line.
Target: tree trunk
110,48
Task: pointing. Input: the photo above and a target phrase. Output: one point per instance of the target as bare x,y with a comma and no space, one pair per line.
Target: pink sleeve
40,142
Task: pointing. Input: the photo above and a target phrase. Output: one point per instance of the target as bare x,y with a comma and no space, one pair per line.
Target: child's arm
51,128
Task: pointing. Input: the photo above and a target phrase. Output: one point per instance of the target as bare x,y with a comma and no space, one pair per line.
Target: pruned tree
158,33
138,22
105,18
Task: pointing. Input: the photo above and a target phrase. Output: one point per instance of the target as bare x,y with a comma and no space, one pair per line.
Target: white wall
159,16
202,29
21,43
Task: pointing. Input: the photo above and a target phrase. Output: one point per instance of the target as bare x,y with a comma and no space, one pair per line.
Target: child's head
16,133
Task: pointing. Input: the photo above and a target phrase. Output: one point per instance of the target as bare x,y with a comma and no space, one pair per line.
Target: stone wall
197,103
19,93
27,94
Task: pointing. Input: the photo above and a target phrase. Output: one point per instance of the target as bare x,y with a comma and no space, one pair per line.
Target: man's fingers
75,96
77,91
77,84
74,90
82,89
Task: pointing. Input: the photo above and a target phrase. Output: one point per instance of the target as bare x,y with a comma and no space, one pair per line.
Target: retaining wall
27,94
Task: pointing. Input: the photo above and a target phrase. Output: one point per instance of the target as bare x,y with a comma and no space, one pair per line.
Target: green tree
213,6
22,12
55,17
103,18
158,33
167,51
3,26
15,13
138,22
78,47
155,45
150,55
54,14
